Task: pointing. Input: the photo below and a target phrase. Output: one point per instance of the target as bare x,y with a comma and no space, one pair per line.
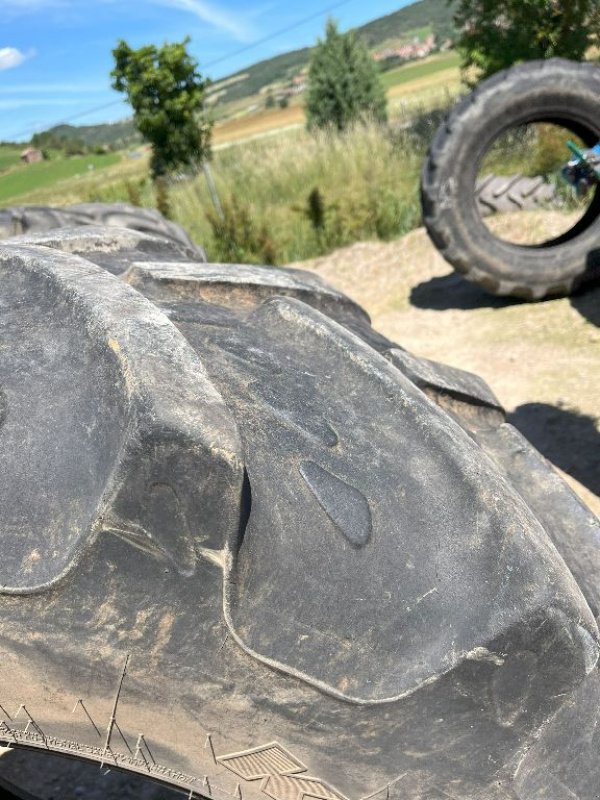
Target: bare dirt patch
541,359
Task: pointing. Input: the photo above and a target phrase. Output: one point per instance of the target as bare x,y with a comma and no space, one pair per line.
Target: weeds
296,195
163,200
237,238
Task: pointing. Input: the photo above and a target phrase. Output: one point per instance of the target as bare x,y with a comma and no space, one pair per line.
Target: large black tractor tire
556,91
252,549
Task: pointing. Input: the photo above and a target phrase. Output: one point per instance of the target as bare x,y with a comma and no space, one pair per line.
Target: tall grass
366,179
366,182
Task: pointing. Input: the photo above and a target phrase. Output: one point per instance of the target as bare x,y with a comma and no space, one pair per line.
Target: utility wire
287,29
232,54
69,119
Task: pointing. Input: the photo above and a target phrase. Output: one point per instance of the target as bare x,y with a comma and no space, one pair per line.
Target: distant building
31,156
407,52
297,85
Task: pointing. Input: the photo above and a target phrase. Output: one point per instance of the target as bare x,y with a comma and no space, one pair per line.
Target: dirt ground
542,360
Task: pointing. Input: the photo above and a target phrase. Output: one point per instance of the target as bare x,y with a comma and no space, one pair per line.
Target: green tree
343,82
494,34
166,92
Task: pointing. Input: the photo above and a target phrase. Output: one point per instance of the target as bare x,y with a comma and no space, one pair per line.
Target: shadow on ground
568,439
587,302
453,291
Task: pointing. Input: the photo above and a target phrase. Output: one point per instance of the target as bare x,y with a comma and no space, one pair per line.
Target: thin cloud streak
216,17
226,21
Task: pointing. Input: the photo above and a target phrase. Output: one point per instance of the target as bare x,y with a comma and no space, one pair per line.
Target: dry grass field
413,85
264,121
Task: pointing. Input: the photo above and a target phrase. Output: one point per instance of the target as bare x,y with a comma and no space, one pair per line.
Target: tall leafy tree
494,34
343,82
166,92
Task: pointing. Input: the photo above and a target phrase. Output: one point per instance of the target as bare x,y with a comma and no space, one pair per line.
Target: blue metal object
583,170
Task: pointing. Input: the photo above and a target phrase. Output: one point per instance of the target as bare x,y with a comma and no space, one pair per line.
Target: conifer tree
343,82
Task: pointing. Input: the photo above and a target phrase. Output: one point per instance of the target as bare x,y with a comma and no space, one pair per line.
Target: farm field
25,179
9,157
265,121
426,68
422,82
266,165
414,87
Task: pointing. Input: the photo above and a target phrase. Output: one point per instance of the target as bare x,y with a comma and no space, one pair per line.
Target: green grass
9,157
31,177
367,182
412,71
367,179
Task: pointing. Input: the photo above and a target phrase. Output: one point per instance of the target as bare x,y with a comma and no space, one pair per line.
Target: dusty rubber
252,549
499,194
40,219
557,91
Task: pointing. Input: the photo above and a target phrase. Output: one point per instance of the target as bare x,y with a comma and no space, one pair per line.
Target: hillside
251,80
435,16
120,134
420,18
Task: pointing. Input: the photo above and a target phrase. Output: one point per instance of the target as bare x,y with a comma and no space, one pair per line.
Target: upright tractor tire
554,91
254,550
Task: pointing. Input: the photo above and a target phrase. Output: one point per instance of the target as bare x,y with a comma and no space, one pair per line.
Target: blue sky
55,55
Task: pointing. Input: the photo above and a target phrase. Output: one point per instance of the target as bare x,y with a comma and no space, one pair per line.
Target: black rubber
252,549
557,91
497,194
40,219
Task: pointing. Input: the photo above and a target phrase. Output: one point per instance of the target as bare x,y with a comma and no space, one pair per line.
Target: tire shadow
587,303
454,292
570,440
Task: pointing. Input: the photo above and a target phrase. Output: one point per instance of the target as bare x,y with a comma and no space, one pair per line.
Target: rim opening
532,190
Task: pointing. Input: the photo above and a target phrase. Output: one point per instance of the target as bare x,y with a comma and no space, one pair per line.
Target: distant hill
117,134
436,15
251,80
420,18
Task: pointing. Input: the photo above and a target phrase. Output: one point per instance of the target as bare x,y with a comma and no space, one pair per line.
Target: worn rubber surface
557,91
41,219
253,549
501,194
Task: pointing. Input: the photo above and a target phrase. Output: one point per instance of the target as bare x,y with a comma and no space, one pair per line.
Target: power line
212,63
71,118
287,29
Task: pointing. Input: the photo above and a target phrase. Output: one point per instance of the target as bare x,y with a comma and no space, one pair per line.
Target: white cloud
223,20
11,57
